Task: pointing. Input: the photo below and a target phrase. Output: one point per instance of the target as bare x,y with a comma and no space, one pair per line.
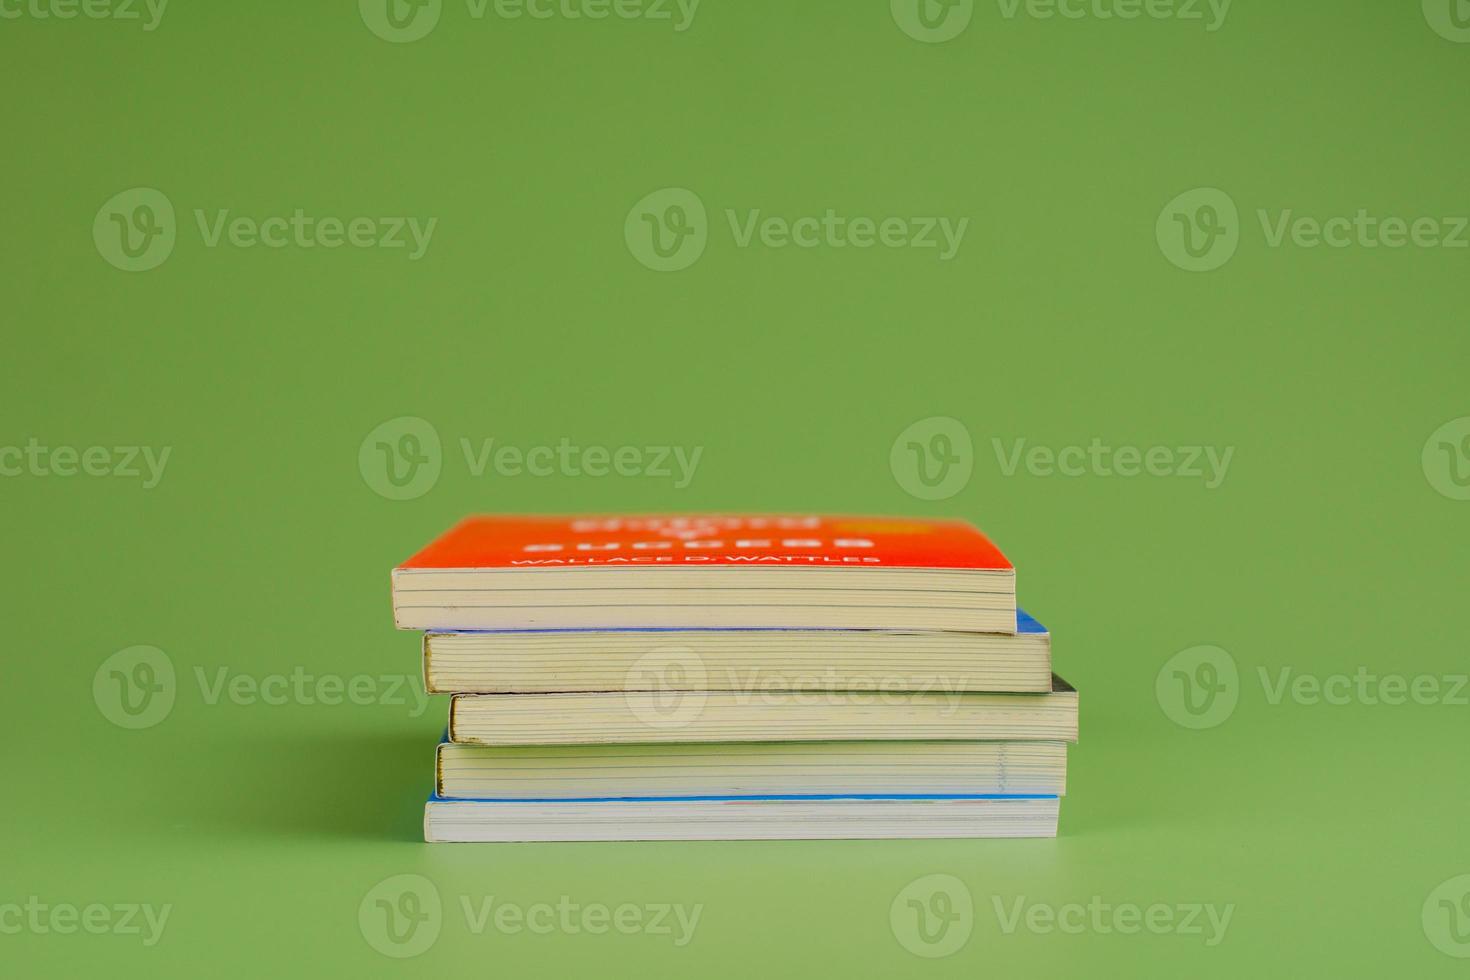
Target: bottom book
739,818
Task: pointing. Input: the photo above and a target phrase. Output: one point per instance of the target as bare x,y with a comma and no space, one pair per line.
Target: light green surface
1334,542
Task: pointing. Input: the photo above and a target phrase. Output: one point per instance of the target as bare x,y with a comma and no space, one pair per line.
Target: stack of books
729,677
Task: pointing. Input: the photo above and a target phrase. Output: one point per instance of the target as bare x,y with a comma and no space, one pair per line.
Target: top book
707,572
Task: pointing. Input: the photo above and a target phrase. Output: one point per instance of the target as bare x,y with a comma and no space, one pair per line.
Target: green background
264,548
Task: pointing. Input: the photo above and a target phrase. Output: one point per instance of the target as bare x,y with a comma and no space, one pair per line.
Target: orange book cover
504,542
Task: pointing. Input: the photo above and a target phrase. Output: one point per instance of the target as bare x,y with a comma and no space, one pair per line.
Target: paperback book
549,661
712,572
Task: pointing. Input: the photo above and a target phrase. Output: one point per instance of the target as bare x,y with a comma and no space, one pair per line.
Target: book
762,716
725,677
542,773
707,571
556,660
746,819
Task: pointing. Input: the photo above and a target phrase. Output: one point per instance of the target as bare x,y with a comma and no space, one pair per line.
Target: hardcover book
715,571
